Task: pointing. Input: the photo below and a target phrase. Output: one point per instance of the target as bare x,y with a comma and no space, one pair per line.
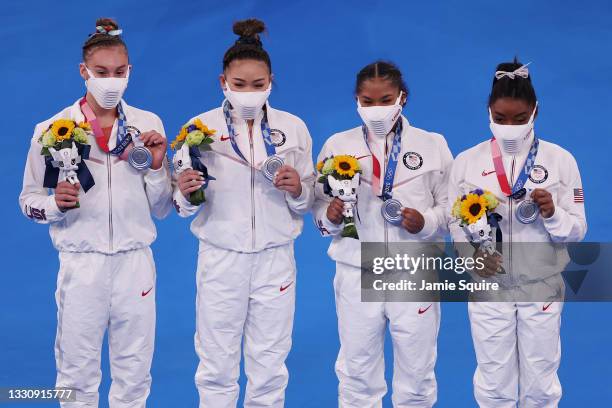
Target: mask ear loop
532,117
398,101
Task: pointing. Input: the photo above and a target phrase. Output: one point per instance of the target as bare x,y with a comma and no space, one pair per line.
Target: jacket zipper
384,172
110,202
252,186
510,218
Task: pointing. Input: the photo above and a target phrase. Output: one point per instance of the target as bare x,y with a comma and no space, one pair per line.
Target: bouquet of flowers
475,211
65,144
193,138
340,178
62,133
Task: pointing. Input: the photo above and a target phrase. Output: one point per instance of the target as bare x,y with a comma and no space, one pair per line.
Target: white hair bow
522,71
104,30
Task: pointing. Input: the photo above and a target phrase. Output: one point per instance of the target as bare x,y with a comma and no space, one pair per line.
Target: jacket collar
77,115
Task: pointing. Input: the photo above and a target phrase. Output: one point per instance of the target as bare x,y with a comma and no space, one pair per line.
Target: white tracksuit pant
250,294
360,366
96,292
518,346
518,349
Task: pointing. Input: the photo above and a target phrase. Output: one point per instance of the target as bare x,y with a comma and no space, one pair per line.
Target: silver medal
271,166
139,157
391,211
527,211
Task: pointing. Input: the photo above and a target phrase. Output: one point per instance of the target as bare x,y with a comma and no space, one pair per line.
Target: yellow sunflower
346,165
201,126
320,166
62,129
182,134
473,207
85,125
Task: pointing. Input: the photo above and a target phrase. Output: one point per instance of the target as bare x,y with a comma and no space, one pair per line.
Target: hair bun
249,28
105,25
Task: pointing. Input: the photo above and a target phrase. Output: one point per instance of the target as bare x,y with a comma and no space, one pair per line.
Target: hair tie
108,30
522,71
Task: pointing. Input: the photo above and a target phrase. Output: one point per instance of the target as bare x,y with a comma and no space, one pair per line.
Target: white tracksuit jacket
243,211
107,273
423,189
115,215
246,267
421,183
517,343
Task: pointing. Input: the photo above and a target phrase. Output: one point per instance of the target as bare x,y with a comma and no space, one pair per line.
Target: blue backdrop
447,51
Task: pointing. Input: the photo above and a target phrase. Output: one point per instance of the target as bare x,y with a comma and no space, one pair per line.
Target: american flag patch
578,195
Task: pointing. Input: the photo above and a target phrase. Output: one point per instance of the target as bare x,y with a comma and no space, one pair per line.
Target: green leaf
350,231
197,197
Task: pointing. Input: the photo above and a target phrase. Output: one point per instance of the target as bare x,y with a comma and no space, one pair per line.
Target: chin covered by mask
380,119
247,105
513,138
106,91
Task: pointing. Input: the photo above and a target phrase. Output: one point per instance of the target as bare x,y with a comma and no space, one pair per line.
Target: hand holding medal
413,221
396,214
156,146
543,199
286,178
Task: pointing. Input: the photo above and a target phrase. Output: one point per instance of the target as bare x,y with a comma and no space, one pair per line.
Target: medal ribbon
265,132
391,163
518,189
122,141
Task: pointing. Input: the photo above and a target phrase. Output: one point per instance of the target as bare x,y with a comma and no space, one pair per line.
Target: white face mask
512,137
106,91
380,119
247,105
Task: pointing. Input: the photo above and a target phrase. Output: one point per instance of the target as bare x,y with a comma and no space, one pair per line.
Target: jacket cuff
157,176
553,223
326,227
298,201
429,227
53,212
182,204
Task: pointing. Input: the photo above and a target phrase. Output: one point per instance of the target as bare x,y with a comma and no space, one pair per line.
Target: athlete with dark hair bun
541,206
262,164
